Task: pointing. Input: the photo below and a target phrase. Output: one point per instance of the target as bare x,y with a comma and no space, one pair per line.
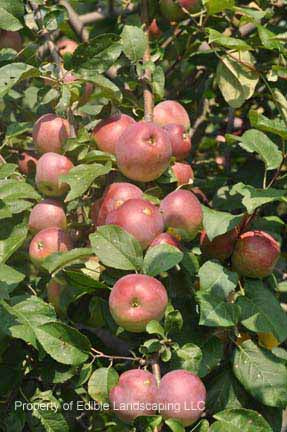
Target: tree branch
75,21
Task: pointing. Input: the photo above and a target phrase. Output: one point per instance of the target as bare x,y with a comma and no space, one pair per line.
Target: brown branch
75,21
99,354
147,93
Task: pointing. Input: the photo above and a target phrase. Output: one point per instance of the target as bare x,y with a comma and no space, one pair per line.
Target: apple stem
147,93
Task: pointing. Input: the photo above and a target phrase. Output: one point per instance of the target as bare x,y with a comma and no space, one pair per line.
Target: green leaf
154,327
116,248
268,39
81,177
236,77
174,425
13,73
14,240
262,374
49,413
7,169
216,279
189,357
216,223
161,258
215,311
173,321
9,280
99,54
134,42
239,420
11,190
215,6
63,343
158,82
255,141
105,88
58,261
254,198
212,353
275,126
101,382
14,7
224,392
8,21
202,426
226,41
261,312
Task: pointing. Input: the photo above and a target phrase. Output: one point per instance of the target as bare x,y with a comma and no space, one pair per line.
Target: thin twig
99,354
75,21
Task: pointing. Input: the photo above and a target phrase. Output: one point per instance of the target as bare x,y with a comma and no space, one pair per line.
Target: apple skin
27,163
115,196
186,392
66,46
50,167
135,386
10,39
139,218
180,141
143,151
47,242
154,30
47,214
255,255
221,247
50,132
108,131
182,214
54,291
183,172
171,112
165,238
137,299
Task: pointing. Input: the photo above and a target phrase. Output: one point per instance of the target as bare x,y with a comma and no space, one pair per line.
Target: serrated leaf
105,87
9,280
239,420
216,279
81,177
161,258
262,374
134,42
50,417
13,73
101,382
216,311
58,261
261,312
212,353
275,126
7,169
14,240
227,41
189,357
224,392
236,78
116,248
154,327
216,223
63,343
175,425
254,198
215,6
8,21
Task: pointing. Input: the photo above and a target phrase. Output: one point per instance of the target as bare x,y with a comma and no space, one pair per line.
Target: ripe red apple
47,242
255,255
140,218
27,163
165,238
143,151
182,396
108,131
10,39
137,299
182,213
134,395
50,167
180,141
154,30
221,247
47,214
50,132
183,172
66,46
54,290
171,112
114,196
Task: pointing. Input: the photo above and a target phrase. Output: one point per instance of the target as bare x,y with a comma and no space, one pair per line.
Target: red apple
137,299
50,132
47,242
165,238
183,172
134,395
154,30
50,167
108,131
27,163
143,151
171,112
47,214
114,196
180,141
221,247
181,396
54,291
10,39
255,255
140,218
182,213
66,46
